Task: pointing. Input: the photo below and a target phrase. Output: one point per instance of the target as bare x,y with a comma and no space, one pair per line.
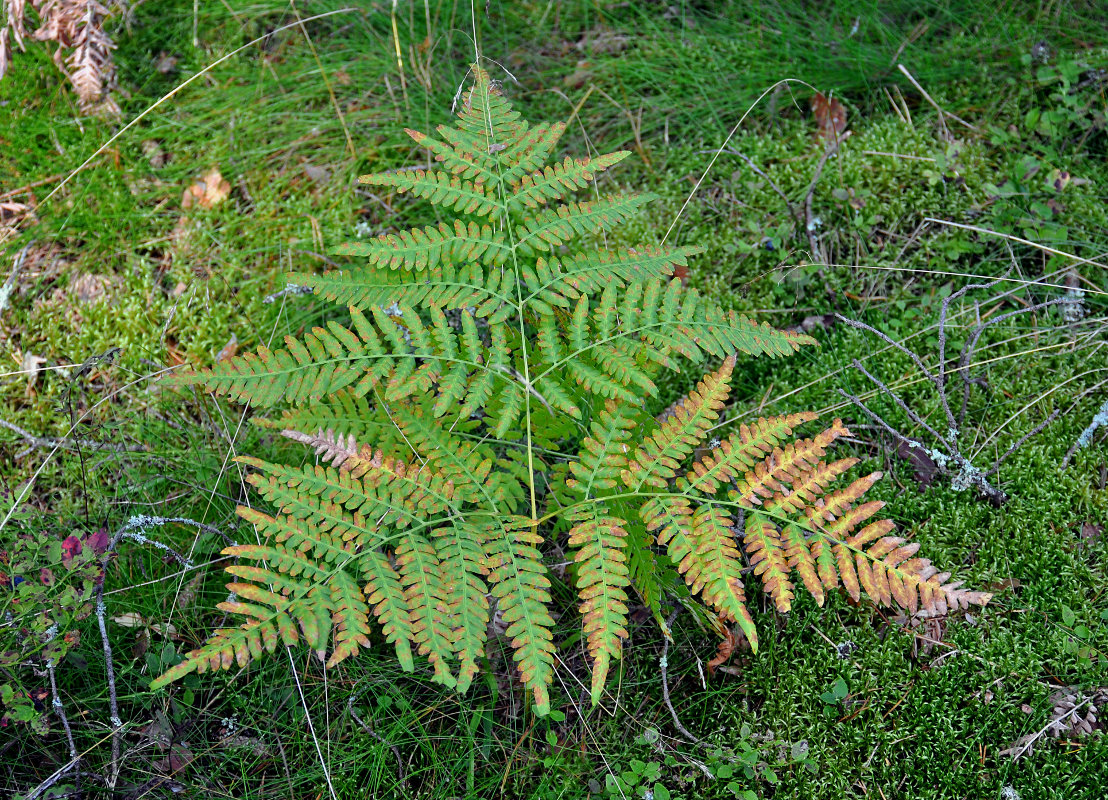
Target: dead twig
1052,250
1100,419
1024,745
809,219
367,729
805,220
946,454
9,285
59,709
793,210
43,442
8,195
663,664
135,530
56,776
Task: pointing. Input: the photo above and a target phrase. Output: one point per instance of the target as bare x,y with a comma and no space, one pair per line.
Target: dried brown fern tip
84,52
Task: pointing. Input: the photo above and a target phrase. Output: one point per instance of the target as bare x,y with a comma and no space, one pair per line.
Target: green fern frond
440,189
501,363
344,413
653,324
350,618
657,459
429,247
560,281
384,593
462,562
557,181
604,454
326,361
447,286
554,227
603,573
468,464
522,593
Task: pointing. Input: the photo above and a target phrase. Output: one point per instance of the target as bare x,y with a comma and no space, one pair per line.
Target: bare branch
912,415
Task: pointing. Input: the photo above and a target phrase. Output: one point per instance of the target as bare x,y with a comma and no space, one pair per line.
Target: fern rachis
477,346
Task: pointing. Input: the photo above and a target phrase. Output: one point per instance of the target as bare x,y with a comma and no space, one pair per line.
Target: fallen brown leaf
187,595
1090,534
90,288
12,214
154,153
317,175
165,63
209,191
32,365
923,465
578,77
179,757
830,117
723,652
10,210
229,350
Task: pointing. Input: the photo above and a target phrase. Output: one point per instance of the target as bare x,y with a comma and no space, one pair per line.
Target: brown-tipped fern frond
479,354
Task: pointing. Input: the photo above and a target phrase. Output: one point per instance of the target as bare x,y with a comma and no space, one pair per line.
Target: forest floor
973,150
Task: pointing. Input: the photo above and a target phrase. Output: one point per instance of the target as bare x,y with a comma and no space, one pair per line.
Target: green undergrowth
117,288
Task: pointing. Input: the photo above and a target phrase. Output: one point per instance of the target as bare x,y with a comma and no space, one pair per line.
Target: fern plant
489,395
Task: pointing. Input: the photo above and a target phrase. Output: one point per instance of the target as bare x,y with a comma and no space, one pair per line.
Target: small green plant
490,395
639,778
1065,119
720,771
47,585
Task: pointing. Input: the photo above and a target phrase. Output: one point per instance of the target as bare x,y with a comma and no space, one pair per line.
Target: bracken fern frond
481,353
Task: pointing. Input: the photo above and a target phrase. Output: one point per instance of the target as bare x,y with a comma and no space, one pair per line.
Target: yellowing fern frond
602,578
702,545
489,402
657,459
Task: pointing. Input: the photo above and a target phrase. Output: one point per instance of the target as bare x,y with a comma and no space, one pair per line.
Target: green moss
923,726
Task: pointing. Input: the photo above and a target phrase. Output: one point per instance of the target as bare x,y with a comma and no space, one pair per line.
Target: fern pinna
482,352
